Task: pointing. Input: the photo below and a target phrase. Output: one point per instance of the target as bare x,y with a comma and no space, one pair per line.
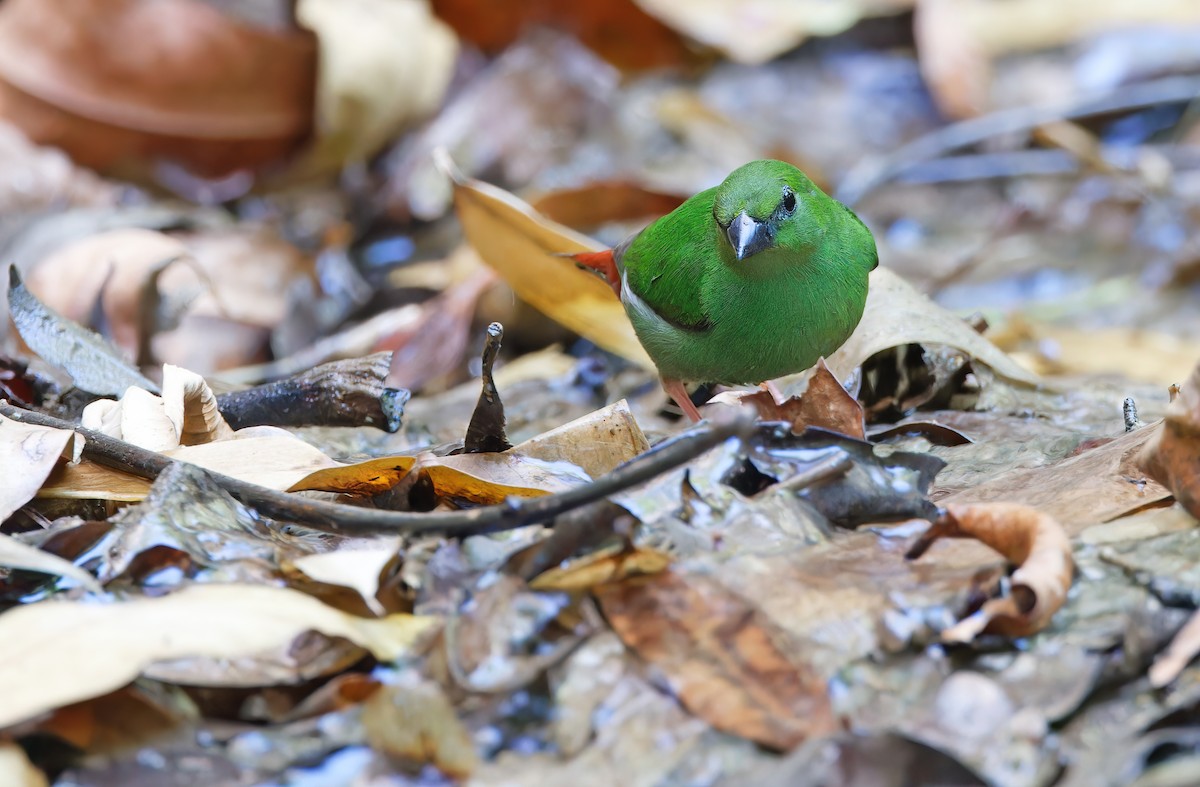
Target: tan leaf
604,566
824,403
896,314
720,657
596,442
1032,540
192,406
16,770
1183,648
528,250
415,723
91,649
33,449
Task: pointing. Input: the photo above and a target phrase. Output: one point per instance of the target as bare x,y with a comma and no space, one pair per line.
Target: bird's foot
770,387
677,391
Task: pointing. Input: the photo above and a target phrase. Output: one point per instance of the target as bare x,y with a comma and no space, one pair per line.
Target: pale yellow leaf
354,568
18,554
84,649
597,442
192,407
16,770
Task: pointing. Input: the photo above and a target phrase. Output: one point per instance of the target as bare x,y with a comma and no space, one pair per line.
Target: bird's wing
665,263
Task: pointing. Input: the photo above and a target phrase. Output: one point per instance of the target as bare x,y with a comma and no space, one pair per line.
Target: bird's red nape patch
603,263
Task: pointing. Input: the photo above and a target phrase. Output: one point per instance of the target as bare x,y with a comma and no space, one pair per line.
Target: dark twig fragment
486,430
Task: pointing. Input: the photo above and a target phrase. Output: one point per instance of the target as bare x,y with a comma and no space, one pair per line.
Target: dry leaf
720,657
41,178
484,479
33,449
597,442
1097,485
604,566
528,251
755,31
263,455
124,83
1032,540
896,314
185,414
357,566
1149,356
1170,455
382,65
94,364
83,649
824,403
17,554
413,722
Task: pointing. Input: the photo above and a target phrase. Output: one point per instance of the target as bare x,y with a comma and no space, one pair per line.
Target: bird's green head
767,204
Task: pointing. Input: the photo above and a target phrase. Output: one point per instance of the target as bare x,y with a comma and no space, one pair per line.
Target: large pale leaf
61,652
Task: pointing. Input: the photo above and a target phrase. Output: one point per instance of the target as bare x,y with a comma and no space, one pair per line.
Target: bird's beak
748,236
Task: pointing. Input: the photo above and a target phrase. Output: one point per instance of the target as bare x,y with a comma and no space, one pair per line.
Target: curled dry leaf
530,252
86,649
118,83
1032,540
1170,456
357,567
720,656
823,403
185,414
33,449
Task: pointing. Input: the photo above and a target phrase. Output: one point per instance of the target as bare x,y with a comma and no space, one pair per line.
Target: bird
753,279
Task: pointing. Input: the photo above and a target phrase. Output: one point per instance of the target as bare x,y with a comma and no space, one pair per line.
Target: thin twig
339,518
872,174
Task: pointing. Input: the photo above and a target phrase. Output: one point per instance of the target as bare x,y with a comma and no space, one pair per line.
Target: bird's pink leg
676,390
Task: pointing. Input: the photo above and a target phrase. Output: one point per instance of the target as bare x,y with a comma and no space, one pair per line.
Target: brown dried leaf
91,649
356,566
118,82
1097,485
824,403
720,657
33,449
1171,454
413,722
529,252
1032,540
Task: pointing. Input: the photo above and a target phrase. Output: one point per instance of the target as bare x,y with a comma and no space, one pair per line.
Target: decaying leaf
93,363
1171,454
16,770
413,722
530,252
1027,537
33,449
83,649
720,656
823,403
185,414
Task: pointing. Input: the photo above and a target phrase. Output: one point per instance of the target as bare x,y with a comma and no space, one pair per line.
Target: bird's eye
789,200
